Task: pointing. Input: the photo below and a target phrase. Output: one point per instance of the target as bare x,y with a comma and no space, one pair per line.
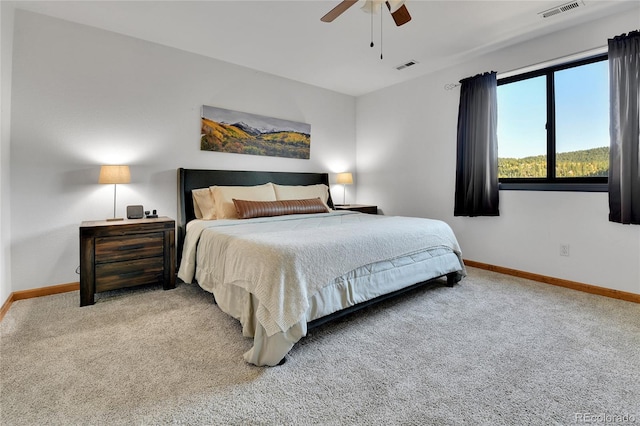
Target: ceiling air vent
406,64
562,8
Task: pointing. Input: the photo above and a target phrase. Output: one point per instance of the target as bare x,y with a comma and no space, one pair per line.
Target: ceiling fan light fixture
372,6
397,8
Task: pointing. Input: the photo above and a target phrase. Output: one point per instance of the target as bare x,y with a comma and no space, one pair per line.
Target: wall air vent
562,8
406,64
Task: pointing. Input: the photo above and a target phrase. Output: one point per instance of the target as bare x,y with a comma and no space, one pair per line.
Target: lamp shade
114,174
344,179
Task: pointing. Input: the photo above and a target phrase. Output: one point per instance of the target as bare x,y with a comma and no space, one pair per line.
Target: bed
282,272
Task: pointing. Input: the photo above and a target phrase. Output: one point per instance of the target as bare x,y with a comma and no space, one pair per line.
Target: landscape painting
224,130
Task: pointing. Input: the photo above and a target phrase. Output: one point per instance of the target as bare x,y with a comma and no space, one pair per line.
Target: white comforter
282,261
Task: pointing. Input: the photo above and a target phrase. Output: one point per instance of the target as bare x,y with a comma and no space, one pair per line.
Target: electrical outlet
564,250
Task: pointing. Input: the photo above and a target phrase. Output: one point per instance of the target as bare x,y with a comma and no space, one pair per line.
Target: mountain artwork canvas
237,132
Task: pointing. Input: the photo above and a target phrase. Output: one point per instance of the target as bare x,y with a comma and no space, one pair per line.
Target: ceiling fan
397,8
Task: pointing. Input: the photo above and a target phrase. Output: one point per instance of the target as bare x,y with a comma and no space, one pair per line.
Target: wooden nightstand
362,208
126,253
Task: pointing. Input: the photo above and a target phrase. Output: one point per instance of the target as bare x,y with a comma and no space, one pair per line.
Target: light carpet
492,350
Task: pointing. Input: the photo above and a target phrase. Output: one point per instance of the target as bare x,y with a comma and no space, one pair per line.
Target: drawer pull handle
131,247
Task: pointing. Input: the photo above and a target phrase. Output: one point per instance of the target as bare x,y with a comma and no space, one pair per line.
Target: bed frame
190,179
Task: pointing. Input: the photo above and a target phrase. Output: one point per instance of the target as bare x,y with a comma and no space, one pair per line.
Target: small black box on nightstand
135,212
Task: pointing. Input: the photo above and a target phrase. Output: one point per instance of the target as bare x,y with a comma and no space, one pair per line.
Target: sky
582,112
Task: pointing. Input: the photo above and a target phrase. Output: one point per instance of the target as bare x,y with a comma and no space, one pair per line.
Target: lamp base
112,219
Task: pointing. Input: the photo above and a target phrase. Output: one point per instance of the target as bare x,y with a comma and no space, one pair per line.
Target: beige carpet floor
494,350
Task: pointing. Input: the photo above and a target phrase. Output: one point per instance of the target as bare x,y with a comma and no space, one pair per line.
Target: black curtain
477,159
624,128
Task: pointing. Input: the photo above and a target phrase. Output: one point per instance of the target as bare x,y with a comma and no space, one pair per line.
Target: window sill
543,186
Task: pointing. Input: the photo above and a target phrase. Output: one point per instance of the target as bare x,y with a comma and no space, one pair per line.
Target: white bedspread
284,260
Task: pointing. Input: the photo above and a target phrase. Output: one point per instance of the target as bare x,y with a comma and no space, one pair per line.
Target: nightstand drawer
126,253
116,249
130,273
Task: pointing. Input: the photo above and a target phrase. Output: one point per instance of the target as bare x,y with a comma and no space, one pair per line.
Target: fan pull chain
371,45
380,31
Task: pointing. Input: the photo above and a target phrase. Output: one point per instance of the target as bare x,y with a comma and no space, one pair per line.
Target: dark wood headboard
190,179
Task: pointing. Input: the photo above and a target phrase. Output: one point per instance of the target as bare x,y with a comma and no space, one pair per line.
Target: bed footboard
452,278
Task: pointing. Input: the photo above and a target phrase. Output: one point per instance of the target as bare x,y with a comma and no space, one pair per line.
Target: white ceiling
287,38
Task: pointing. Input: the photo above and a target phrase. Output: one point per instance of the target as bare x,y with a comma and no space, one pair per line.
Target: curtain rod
551,62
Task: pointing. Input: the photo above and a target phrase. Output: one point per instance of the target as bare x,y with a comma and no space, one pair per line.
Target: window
553,127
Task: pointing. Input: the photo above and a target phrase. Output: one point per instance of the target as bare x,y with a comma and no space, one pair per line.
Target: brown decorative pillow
247,209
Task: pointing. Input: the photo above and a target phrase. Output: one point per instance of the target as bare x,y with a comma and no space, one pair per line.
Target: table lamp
344,179
114,175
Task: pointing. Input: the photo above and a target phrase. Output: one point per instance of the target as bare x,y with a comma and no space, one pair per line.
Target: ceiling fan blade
338,10
400,16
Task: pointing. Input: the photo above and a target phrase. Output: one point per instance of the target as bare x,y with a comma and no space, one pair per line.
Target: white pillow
302,192
223,197
203,204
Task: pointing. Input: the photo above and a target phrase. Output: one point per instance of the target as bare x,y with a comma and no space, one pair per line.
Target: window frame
551,182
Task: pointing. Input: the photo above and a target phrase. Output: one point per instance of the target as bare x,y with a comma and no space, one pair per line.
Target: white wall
6,53
84,97
406,146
